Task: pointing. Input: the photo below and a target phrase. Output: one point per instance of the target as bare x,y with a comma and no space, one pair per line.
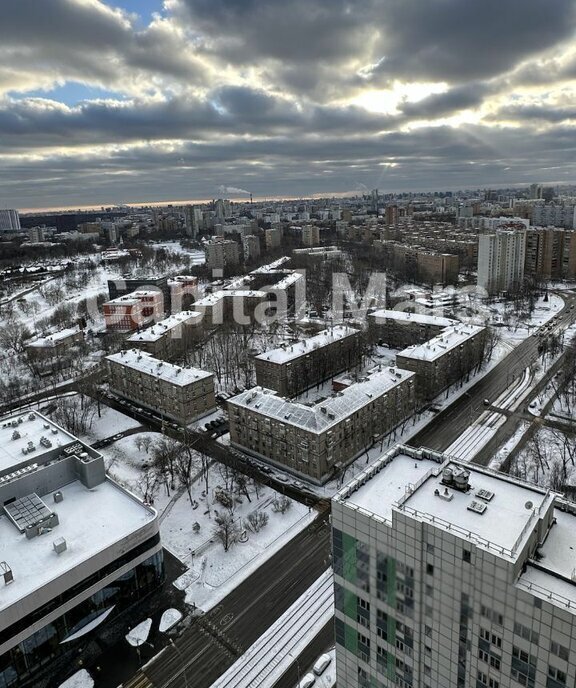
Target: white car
307,681
320,667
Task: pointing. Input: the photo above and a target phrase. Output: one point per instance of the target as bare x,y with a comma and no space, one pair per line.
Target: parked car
320,667
307,681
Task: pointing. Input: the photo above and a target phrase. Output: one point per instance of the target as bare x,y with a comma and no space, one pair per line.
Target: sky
132,101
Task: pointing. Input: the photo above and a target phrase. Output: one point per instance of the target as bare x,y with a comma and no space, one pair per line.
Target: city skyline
143,102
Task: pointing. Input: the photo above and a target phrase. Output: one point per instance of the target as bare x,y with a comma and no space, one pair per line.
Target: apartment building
241,306
77,551
443,360
554,215
400,329
54,345
180,394
419,264
310,257
170,338
550,253
317,441
294,368
501,258
183,292
273,238
125,286
448,574
221,254
251,247
133,311
310,235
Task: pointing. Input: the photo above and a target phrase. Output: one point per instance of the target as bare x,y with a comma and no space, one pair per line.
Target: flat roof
291,352
406,479
135,296
160,329
90,520
324,414
437,346
52,339
508,506
147,364
378,495
217,296
404,316
31,426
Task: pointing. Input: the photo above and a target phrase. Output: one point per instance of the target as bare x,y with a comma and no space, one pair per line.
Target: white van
320,666
307,681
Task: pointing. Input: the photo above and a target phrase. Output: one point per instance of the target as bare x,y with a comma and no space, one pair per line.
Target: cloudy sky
142,100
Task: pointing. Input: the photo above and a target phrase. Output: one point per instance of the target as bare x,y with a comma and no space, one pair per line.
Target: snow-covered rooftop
31,427
403,480
217,296
326,413
160,329
53,339
147,364
135,296
90,520
291,352
271,267
288,281
404,316
437,346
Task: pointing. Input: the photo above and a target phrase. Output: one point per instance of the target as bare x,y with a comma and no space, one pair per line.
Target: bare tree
13,335
227,530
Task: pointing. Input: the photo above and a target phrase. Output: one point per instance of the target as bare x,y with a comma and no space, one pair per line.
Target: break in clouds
100,105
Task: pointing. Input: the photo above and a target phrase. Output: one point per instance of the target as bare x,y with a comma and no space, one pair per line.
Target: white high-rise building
449,575
501,260
9,221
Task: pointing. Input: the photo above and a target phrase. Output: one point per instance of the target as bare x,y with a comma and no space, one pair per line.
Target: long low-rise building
77,551
317,441
238,305
294,368
446,358
181,394
170,338
399,329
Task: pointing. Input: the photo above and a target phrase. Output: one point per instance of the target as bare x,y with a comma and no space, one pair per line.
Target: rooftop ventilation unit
477,507
59,545
486,495
6,573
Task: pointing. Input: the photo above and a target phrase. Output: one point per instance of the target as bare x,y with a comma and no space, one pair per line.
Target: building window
430,569
559,650
467,555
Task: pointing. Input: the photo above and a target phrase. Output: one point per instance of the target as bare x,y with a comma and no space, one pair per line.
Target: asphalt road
214,641
448,425
321,643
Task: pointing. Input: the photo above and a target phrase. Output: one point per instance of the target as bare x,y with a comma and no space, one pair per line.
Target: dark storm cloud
37,123
443,104
448,40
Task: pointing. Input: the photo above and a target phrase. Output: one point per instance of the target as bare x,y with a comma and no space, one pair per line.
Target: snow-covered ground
81,679
548,458
110,423
212,572
505,450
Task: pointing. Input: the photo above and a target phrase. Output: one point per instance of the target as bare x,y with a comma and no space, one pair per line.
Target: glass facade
19,665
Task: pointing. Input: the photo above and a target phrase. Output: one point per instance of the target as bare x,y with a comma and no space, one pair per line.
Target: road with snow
450,425
216,640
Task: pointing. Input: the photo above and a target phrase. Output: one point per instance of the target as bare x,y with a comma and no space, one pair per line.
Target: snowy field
111,423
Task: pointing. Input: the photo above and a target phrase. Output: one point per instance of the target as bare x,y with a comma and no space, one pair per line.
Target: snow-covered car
307,681
320,667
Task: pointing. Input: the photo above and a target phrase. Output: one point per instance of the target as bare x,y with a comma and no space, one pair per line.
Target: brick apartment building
180,394
133,311
170,338
294,368
317,441
399,329
443,360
